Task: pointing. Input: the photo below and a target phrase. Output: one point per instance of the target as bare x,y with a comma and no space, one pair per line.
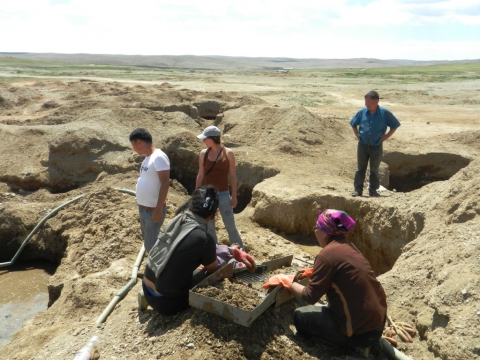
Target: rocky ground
295,152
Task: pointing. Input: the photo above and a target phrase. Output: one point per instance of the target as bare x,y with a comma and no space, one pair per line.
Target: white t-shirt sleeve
162,162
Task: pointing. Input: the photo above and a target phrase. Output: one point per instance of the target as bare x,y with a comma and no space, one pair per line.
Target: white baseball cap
209,131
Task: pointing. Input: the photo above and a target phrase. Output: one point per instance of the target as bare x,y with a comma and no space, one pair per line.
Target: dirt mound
470,138
50,105
439,292
293,130
164,86
5,103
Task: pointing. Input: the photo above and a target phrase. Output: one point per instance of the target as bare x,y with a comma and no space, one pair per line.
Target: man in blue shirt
370,127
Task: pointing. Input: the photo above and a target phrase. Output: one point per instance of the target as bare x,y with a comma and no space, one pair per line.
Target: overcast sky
385,29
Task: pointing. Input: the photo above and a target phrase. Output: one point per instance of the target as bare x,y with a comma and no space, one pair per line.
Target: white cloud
464,11
249,28
441,50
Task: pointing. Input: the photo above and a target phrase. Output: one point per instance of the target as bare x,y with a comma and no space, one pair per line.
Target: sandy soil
62,138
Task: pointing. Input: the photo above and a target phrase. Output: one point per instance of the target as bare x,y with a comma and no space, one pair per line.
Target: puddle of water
14,315
23,294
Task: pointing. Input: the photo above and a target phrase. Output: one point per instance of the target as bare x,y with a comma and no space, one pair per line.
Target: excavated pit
46,248
380,233
29,183
72,230
410,172
207,110
73,161
47,245
381,243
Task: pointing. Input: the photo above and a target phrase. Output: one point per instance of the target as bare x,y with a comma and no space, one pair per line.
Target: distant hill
215,62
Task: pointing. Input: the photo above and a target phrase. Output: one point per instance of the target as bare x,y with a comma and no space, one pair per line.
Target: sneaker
357,193
142,302
373,193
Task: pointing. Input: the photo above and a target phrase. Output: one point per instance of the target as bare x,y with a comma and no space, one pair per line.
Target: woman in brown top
357,305
216,164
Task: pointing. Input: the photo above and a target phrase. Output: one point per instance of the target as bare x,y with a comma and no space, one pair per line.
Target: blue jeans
366,153
318,321
149,228
226,211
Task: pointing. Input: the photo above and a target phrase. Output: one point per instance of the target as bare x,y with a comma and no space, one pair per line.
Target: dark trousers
318,321
366,153
166,305
171,305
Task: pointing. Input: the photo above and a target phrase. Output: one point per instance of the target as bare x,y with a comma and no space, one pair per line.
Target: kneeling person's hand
245,258
281,279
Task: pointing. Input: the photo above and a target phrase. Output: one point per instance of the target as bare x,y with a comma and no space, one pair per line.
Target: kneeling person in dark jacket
180,249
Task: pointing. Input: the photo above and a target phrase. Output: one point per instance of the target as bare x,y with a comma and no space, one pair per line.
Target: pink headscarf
335,222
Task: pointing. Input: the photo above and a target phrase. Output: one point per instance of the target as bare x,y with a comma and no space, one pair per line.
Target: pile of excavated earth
69,138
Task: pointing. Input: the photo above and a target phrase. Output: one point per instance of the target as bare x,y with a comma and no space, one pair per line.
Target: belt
149,208
145,207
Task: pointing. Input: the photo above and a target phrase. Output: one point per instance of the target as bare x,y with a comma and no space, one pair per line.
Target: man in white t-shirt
152,185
